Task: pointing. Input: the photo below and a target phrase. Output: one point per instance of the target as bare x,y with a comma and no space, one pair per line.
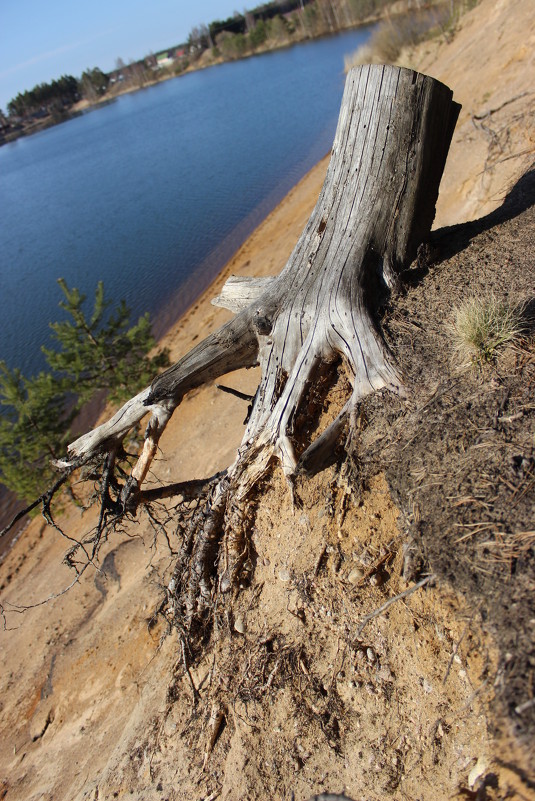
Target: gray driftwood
376,206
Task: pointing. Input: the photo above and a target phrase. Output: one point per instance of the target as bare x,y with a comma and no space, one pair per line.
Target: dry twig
405,594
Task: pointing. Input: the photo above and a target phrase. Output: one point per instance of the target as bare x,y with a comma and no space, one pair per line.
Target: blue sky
43,39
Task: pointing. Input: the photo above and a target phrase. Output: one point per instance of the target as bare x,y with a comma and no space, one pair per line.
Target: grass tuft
483,326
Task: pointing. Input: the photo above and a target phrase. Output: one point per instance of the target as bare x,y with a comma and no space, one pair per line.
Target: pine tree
90,355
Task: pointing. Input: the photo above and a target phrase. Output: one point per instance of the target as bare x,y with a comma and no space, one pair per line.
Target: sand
89,706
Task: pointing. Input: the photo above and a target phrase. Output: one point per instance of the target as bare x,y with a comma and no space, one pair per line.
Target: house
163,60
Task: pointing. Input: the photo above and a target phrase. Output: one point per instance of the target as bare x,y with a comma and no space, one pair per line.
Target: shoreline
463,194
85,106
227,252
277,232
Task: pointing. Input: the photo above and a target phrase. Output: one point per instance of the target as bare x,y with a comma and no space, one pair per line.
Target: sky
41,40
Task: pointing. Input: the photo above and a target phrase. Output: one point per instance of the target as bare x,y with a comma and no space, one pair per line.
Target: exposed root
405,594
208,527
323,309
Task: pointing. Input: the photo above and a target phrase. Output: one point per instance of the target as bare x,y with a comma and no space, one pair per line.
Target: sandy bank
94,700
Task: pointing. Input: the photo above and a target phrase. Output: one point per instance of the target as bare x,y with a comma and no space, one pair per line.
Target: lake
155,192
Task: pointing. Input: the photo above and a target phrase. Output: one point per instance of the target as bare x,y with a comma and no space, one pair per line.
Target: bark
376,206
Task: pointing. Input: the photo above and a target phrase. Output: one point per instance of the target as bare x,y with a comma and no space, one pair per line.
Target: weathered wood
231,347
376,206
240,291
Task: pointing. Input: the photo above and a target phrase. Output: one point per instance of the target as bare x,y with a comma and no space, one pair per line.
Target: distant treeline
60,95
278,23
266,26
241,23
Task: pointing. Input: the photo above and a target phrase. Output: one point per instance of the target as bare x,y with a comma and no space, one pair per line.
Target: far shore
205,61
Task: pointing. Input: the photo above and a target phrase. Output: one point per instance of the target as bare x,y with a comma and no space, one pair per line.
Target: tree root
376,206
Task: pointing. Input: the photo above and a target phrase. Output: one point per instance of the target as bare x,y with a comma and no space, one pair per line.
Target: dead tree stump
376,206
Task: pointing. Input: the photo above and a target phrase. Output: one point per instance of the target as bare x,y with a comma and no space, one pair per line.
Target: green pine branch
90,354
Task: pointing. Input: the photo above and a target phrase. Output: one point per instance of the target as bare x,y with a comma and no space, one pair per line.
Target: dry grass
393,34
483,326
505,548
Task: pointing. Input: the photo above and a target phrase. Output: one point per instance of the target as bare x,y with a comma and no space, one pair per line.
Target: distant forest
268,26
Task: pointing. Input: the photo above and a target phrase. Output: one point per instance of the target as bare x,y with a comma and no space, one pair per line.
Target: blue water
153,193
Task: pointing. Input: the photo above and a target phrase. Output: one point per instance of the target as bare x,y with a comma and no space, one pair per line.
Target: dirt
384,646
460,461
490,65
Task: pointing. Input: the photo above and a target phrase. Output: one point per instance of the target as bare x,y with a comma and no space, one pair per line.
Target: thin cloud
52,53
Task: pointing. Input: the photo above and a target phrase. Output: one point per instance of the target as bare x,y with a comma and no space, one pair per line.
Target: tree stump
376,206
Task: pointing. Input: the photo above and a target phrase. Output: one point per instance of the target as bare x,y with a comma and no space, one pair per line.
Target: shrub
484,326
393,34
277,29
231,45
